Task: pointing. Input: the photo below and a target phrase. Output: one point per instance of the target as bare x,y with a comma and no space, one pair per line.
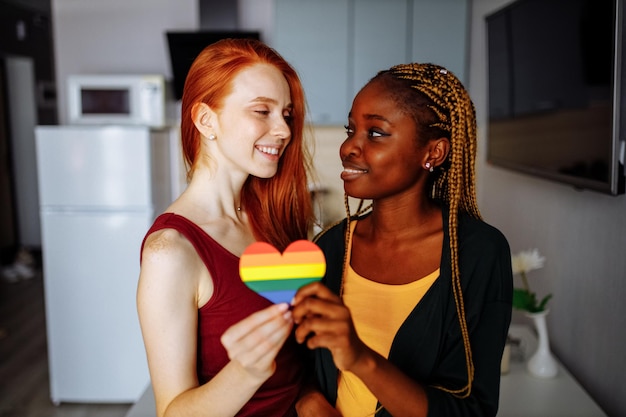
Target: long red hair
279,208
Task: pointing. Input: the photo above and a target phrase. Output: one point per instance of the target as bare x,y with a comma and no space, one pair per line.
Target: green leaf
522,299
542,304
527,301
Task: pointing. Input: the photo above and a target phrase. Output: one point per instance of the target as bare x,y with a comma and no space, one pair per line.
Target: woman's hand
324,321
254,342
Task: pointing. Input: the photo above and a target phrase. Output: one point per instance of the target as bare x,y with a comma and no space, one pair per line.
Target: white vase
542,363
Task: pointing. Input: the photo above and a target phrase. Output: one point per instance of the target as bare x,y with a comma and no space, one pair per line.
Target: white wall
257,15
115,36
583,236
119,36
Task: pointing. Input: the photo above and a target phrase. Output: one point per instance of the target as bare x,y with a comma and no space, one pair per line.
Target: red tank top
231,302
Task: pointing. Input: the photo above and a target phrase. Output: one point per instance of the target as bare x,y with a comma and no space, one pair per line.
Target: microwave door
105,102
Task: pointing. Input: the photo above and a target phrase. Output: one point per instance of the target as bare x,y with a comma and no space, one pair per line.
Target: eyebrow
263,99
371,116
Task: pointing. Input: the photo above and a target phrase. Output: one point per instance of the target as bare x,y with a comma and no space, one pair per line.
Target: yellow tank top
378,310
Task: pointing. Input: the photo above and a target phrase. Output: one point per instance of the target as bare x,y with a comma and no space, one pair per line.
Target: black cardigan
428,346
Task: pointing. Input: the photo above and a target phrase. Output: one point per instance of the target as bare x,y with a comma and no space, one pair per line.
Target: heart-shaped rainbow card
278,276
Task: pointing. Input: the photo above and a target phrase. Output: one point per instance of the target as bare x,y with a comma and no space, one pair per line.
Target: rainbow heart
278,276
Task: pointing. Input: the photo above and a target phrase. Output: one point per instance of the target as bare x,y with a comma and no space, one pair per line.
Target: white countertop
523,395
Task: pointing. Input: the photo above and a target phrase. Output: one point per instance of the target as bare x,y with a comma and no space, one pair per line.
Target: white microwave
117,99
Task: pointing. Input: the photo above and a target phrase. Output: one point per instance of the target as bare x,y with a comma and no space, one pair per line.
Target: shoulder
484,251
473,231
167,257
484,264
169,241
482,248
165,246
330,233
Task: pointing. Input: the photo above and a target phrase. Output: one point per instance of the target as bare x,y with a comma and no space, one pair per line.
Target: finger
314,289
262,346
339,337
318,325
345,356
330,307
321,317
253,321
303,303
235,341
260,360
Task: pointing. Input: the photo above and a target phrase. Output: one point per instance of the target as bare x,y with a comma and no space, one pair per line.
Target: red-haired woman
215,347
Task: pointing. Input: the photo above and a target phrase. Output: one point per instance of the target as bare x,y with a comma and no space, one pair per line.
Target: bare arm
171,285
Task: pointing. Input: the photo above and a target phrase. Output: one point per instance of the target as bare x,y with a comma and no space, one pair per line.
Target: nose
281,129
349,147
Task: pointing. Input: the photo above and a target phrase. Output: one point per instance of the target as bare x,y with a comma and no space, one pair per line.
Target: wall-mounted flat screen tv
184,47
556,91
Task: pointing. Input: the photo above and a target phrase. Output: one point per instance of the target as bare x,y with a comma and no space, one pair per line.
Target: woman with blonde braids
412,316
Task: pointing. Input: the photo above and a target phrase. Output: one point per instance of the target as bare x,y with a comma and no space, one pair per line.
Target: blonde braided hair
456,185
442,107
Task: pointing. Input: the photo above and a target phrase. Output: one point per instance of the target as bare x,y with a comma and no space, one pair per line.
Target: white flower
526,261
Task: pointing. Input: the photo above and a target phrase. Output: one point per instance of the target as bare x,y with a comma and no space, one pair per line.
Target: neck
216,198
403,218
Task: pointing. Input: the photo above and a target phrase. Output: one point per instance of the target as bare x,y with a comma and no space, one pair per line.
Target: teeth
267,149
354,171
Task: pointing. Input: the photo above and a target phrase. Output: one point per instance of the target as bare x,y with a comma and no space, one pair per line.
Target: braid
453,184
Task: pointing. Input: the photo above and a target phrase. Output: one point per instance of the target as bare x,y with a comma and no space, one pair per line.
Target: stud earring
212,136
429,167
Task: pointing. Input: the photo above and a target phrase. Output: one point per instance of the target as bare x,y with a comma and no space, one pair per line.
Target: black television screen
555,81
184,47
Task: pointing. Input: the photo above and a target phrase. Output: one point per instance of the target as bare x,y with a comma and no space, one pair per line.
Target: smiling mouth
349,174
354,171
268,150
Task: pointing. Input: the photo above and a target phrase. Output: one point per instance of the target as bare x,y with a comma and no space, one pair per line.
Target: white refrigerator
100,188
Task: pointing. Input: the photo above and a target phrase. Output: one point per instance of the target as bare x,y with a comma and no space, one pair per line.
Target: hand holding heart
254,342
322,320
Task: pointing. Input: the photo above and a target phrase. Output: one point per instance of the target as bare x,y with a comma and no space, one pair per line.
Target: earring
212,136
429,167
